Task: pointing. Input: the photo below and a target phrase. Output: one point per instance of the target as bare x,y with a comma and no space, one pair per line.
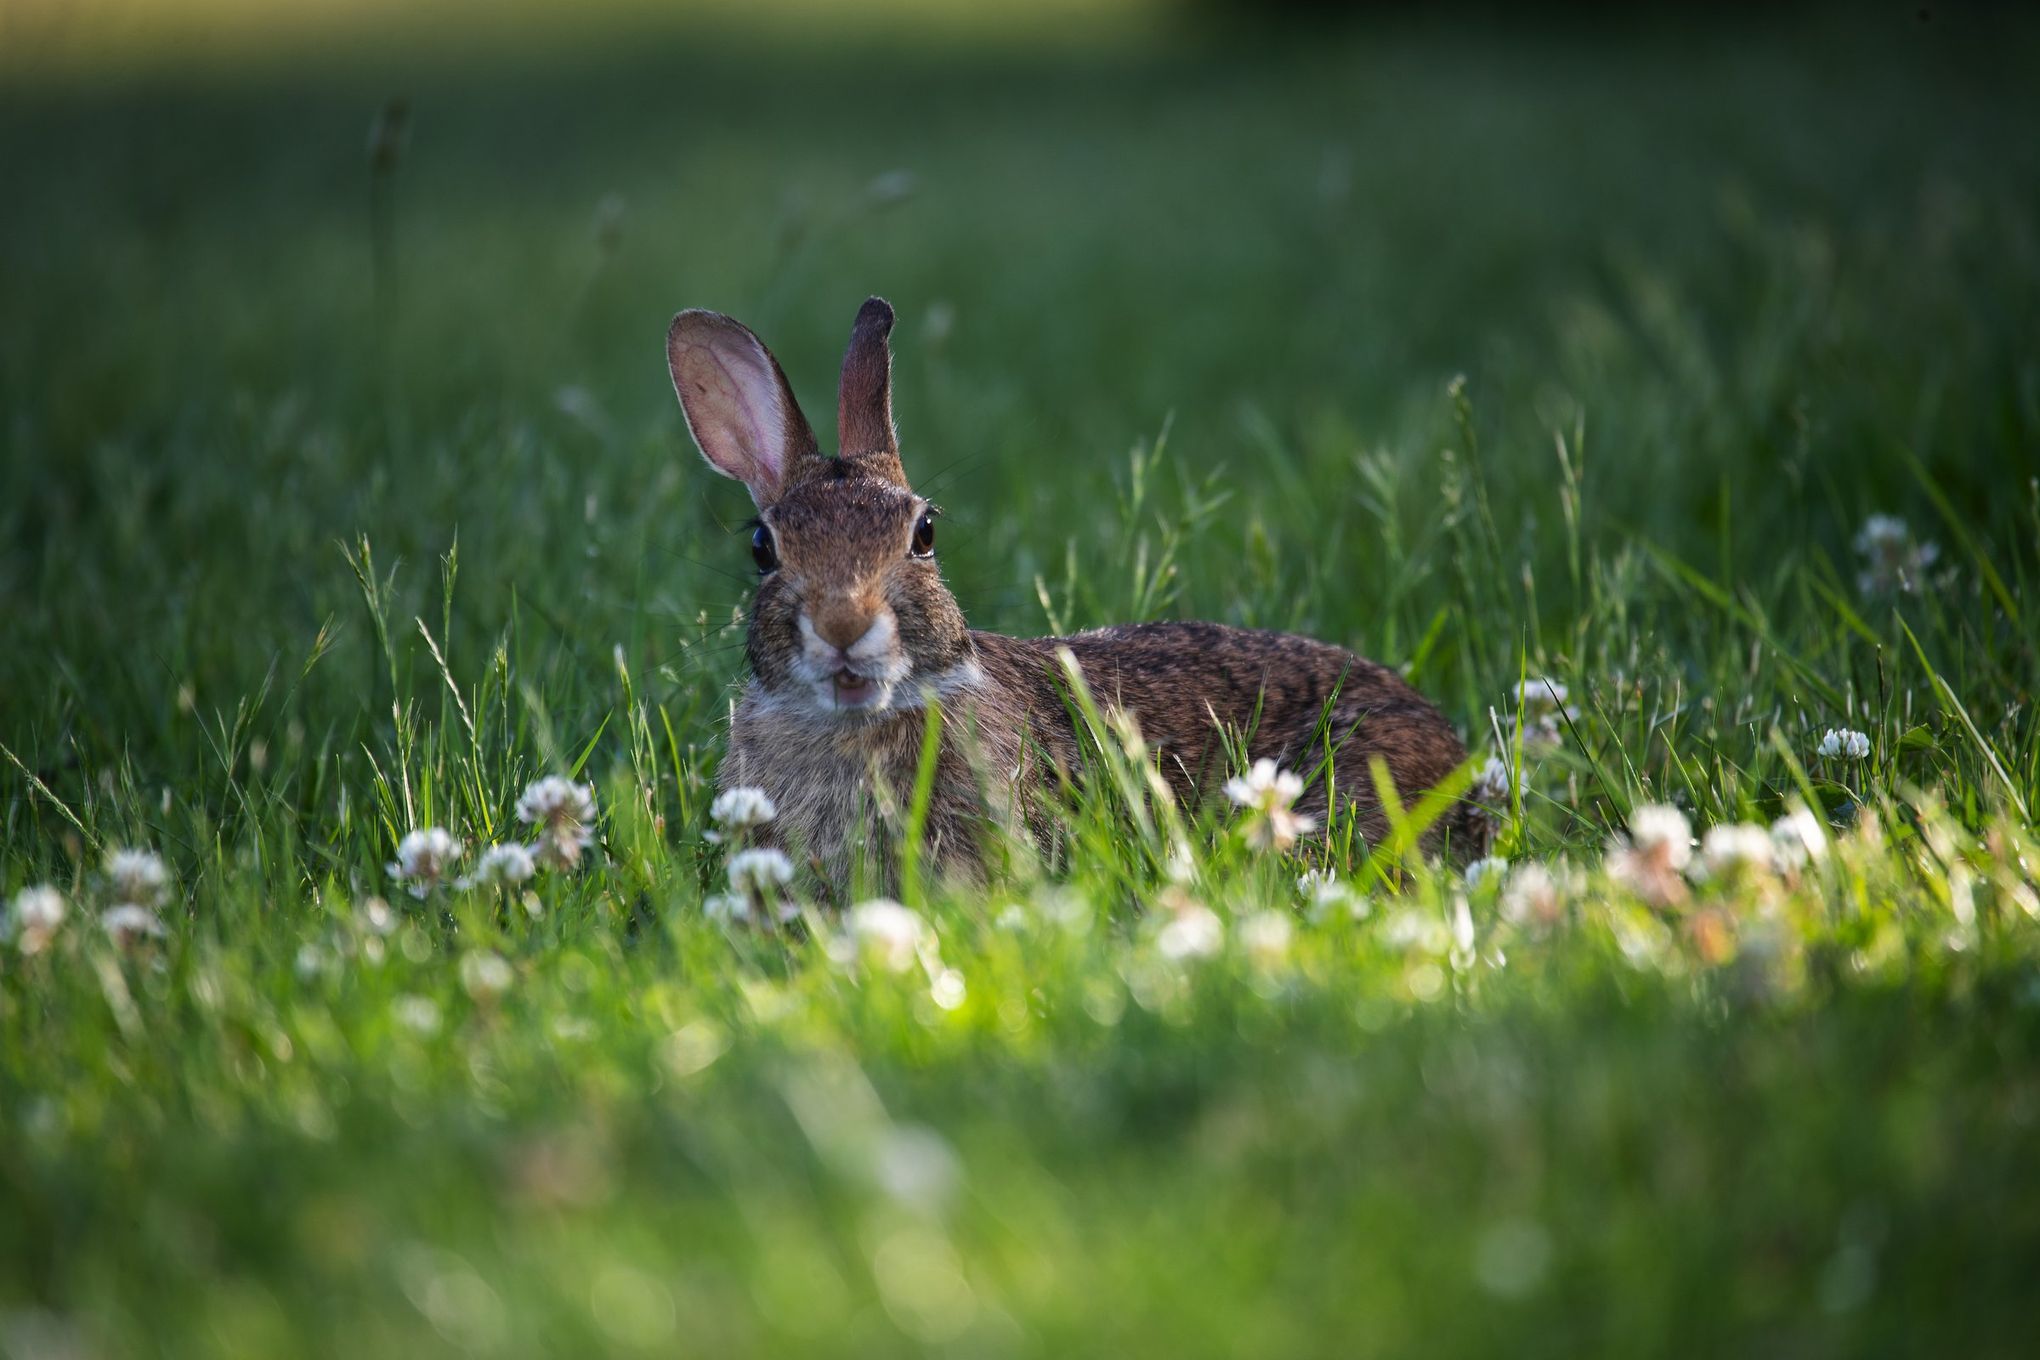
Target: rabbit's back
1292,696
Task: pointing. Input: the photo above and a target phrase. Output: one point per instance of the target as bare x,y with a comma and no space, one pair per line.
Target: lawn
343,494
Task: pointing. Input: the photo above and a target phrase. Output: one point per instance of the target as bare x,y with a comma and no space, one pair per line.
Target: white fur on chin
812,698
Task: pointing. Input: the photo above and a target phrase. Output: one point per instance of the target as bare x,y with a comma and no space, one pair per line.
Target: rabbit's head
851,619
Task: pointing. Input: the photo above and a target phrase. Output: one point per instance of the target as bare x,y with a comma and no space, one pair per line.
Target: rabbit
852,629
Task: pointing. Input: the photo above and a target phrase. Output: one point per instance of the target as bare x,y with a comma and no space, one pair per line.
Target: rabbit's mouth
851,690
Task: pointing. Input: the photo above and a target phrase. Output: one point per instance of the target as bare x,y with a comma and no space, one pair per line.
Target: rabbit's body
852,628
842,787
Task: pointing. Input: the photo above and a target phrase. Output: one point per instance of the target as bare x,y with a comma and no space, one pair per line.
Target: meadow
343,494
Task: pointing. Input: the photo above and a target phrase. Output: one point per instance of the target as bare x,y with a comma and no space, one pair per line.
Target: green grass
1581,352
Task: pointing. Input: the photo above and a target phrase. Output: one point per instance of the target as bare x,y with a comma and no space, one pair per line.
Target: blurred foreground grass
1576,351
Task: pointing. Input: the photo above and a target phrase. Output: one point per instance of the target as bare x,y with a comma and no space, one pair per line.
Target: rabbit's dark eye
763,551
924,535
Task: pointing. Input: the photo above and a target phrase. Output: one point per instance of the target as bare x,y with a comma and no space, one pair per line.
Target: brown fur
850,598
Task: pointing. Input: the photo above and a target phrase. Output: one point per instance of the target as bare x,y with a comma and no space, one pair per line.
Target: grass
1567,352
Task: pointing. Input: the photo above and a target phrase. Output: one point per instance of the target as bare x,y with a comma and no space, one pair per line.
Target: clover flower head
742,809
1321,888
1542,709
130,923
887,934
1846,743
563,813
1541,695
727,908
1661,829
1267,792
505,865
1533,897
1798,838
1266,936
1736,847
760,872
1650,860
137,876
1492,791
34,918
425,859
1894,562
1193,930
1264,786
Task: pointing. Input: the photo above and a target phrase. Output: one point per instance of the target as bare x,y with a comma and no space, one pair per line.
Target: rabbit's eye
924,535
763,551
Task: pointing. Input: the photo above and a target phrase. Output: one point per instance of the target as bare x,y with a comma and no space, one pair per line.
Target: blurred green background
1749,259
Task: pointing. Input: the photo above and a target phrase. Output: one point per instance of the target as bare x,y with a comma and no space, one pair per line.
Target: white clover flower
1736,847
1264,786
504,865
137,876
564,814
727,908
1481,870
130,923
1846,743
887,934
1657,850
1881,532
1324,893
741,809
486,975
1266,937
1417,932
1894,562
1267,793
1533,897
34,918
424,860
1193,931
1661,829
419,1014
760,872
1492,791
1798,838
1542,697
1541,703
1013,918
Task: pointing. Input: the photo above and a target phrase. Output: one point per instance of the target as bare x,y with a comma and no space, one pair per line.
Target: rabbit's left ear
864,419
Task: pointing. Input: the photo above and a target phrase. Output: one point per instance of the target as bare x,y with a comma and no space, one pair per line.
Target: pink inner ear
730,393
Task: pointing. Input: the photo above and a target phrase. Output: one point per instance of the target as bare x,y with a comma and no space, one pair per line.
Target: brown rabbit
852,627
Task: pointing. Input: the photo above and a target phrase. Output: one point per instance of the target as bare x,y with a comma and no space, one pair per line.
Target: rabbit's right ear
739,407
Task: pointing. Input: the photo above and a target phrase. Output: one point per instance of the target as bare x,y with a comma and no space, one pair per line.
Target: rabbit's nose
840,623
